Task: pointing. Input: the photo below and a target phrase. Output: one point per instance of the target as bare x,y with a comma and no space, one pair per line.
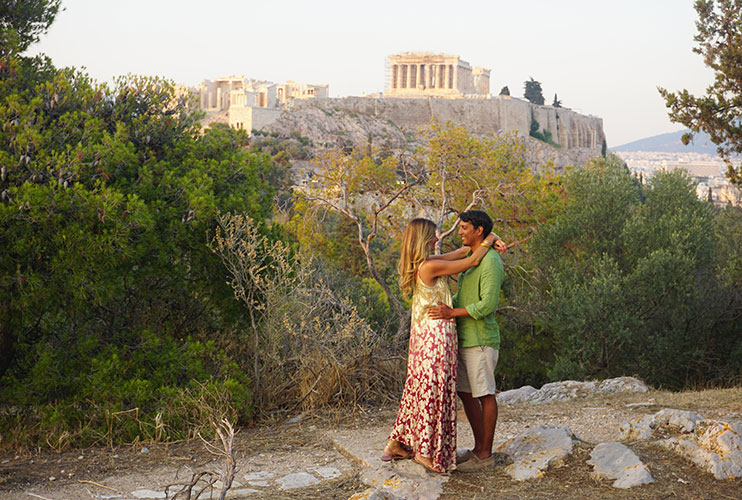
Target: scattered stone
241,492
297,480
373,494
328,472
715,446
148,494
259,478
570,389
537,449
516,395
295,420
667,419
52,478
404,479
621,385
617,462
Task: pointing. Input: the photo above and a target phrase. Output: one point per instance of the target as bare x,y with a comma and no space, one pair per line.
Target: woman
425,429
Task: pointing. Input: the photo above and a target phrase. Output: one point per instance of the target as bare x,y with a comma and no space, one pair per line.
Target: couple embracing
454,345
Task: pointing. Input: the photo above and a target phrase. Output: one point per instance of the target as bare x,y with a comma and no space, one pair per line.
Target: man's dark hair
477,218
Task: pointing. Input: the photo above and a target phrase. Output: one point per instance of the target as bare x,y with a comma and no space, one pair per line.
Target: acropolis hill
420,87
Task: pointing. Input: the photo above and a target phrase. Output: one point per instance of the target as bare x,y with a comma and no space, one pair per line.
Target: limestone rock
373,494
535,450
516,395
715,446
668,419
618,463
570,389
297,480
148,494
328,472
622,384
404,480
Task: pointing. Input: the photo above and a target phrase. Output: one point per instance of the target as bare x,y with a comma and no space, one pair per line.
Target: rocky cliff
396,122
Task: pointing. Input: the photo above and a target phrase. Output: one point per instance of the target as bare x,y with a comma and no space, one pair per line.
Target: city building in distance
707,170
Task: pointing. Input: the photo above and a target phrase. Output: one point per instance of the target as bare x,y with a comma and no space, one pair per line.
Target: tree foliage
633,281
532,91
22,22
718,112
112,299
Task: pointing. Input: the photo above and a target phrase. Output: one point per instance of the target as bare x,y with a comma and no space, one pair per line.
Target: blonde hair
415,250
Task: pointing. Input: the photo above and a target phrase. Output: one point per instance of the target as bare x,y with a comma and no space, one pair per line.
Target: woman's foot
426,462
395,451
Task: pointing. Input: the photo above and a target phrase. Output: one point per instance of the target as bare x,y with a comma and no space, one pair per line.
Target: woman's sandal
431,468
398,453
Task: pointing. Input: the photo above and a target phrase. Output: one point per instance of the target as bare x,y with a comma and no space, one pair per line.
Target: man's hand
501,246
441,311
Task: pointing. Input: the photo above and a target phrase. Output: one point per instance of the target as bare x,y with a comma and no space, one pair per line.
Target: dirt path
300,460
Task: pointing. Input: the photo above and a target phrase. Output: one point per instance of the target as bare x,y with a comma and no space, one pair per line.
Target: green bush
641,280
113,303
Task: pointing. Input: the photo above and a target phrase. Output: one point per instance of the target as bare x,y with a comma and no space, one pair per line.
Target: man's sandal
464,456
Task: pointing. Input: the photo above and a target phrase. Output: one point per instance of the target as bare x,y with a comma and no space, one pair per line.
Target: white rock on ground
516,395
297,480
570,389
535,450
618,463
669,419
373,494
399,480
144,493
715,446
406,480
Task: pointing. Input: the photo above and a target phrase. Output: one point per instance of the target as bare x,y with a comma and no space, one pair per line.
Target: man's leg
473,410
489,422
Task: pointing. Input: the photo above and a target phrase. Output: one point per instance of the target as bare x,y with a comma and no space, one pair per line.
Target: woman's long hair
415,249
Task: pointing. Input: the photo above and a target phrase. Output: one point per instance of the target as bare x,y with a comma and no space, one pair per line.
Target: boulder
616,462
714,445
516,395
669,420
570,389
535,450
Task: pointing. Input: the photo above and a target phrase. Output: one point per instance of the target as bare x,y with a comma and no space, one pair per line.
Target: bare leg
489,422
473,410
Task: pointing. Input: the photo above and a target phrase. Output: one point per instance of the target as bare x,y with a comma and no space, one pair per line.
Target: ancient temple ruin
250,103
425,74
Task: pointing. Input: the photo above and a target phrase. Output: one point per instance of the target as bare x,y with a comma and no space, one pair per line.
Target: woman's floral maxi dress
426,421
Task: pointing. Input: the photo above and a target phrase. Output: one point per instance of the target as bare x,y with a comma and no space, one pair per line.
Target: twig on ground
37,496
83,481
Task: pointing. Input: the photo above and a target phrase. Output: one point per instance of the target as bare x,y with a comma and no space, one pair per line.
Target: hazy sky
604,57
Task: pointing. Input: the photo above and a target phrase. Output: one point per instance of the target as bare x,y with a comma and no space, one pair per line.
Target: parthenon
423,74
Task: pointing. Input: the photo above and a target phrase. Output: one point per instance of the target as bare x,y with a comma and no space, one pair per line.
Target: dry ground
593,419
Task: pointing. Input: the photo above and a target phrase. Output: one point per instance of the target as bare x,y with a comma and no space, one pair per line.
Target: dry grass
309,348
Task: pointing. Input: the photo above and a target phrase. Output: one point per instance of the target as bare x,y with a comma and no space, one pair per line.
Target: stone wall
480,116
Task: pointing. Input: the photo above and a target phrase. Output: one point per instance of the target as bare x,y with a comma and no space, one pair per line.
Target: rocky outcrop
396,123
569,389
713,445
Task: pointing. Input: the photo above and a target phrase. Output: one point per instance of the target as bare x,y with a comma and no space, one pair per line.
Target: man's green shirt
479,292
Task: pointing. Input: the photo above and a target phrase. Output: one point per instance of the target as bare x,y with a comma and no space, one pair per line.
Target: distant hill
670,143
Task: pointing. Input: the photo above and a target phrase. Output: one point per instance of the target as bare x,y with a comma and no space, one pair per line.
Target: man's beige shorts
476,370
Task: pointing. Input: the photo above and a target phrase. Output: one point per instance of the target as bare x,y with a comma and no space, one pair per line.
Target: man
474,307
